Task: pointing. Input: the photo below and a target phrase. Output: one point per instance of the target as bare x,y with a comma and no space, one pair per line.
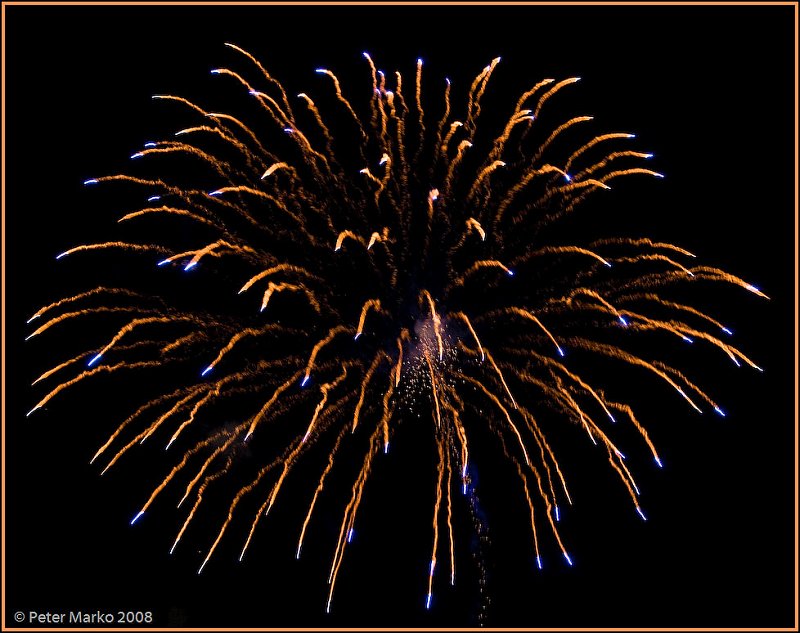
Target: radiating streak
350,511
325,389
611,157
404,336
545,451
627,172
480,265
332,333
472,223
437,505
505,412
618,466
176,469
88,373
532,317
434,391
364,385
615,352
454,126
222,448
481,177
320,486
198,500
342,99
258,417
530,507
437,322
557,132
656,257
374,304
514,191
624,241
83,295
599,139
642,431
272,288
130,326
141,248
289,268
543,99
558,250
346,234
169,211
464,319
502,379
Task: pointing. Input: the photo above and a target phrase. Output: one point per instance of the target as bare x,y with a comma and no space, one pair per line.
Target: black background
708,89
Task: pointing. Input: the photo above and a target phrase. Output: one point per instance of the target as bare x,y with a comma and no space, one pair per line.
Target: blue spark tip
510,273
304,382
428,601
658,461
350,535
137,155
150,144
64,254
419,60
153,198
215,71
355,338
623,321
557,514
560,352
687,339
569,560
719,411
320,70
216,192
94,360
649,155
91,181
641,514
288,130
567,177
727,331
136,518
190,265
163,262
207,369
538,561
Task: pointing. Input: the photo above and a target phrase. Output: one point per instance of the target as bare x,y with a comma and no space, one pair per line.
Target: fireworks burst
384,261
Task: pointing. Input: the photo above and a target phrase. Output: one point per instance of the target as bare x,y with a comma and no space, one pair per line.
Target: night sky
709,90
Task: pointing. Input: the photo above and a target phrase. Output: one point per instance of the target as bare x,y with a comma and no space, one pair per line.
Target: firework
410,252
